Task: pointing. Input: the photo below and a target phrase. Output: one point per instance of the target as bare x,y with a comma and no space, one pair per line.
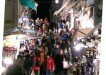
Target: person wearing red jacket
49,65
36,67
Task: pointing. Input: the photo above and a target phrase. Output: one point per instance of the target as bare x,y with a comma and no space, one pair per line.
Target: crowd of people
49,55
26,21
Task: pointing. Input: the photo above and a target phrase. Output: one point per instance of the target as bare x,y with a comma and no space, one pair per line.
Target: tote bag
65,64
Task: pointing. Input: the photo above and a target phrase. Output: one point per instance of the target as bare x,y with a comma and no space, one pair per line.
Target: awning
29,3
97,26
85,31
19,36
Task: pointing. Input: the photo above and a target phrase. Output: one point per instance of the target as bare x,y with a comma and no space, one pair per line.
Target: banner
29,3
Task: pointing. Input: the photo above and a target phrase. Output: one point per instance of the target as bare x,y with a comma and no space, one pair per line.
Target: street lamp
56,1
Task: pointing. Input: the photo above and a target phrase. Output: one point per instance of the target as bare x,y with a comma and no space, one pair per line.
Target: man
49,65
28,62
16,68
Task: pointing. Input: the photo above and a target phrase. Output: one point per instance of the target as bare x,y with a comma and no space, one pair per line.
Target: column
11,14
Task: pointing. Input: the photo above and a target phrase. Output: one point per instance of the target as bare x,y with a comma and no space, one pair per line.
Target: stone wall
11,14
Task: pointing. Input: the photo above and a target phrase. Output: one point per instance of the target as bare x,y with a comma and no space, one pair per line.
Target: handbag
65,64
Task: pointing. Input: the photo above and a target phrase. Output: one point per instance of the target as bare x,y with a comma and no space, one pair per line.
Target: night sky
43,8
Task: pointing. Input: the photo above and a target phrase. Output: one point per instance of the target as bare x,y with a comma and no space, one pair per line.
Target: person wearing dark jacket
59,64
27,63
15,69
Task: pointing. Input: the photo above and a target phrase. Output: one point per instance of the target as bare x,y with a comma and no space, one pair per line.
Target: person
74,68
16,68
36,65
42,61
49,65
65,66
51,26
27,63
59,63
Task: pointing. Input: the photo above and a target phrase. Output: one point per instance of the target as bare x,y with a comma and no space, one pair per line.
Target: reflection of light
79,46
77,19
82,8
71,11
98,57
99,46
8,61
75,42
36,4
56,1
3,69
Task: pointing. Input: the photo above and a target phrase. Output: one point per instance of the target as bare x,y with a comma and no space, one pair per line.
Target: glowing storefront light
56,1
8,61
86,22
2,70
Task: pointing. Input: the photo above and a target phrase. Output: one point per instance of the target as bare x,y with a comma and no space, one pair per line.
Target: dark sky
43,8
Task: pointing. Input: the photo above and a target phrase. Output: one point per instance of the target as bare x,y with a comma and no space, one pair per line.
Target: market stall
12,46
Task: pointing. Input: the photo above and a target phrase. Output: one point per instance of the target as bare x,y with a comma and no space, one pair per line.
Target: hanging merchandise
30,4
